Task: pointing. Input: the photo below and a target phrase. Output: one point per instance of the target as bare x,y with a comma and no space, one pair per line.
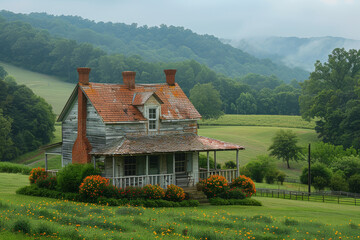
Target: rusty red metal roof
117,103
165,144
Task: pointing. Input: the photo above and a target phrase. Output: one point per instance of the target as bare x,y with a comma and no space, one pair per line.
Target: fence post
272,193
323,197
355,200
290,194
278,194
302,196
308,196
338,199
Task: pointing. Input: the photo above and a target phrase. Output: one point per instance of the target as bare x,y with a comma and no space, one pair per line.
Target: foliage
320,171
37,173
230,165
203,161
326,152
206,100
93,186
348,165
245,184
259,167
233,193
174,193
153,191
354,183
338,182
14,168
285,146
131,192
48,182
332,96
26,120
271,176
214,185
281,177
22,225
246,201
71,176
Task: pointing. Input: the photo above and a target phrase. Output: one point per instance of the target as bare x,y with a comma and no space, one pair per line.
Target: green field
52,89
260,120
276,219
256,141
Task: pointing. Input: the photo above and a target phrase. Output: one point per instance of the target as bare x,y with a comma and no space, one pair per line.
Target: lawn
276,219
52,89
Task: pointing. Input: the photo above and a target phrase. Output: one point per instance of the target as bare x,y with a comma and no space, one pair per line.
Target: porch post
94,158
46,162
215,161
237,163
113,173
174,177
147,170
208,164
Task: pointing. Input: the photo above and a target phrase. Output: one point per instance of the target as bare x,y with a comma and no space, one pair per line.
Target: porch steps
194,194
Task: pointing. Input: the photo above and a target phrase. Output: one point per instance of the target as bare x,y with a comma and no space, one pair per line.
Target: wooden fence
326,197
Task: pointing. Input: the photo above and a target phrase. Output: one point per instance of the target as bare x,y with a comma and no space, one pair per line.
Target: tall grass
9,167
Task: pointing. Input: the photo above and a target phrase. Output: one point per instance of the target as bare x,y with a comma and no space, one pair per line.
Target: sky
229,19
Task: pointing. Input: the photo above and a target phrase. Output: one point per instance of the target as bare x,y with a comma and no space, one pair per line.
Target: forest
158,44
36,50
26,120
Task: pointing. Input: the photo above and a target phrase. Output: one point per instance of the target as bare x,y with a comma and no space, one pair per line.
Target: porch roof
165,144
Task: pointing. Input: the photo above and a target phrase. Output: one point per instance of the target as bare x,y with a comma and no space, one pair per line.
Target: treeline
26,120
36,50
158,44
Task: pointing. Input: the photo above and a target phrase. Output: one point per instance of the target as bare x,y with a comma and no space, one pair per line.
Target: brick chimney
129,79
170,76
82,146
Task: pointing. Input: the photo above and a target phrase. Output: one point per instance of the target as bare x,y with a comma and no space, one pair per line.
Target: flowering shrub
112,191
93,186
233,193
48,182
153,191
214,186
174,193
37,173
133,192
245,184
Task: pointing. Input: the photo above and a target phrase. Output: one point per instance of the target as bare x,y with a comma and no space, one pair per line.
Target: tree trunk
288,165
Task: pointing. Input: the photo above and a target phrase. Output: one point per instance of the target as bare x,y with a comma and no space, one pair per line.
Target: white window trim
157,117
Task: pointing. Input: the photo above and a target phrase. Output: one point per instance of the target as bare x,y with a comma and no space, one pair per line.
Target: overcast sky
223,18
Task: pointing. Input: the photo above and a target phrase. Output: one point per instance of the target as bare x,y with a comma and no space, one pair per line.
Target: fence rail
326,197
139,181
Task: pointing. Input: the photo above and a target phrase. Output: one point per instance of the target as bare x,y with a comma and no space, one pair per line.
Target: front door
180,163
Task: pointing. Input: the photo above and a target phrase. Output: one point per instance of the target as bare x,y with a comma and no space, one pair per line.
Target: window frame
153,122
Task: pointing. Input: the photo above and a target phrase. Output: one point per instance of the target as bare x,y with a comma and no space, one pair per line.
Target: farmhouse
138,133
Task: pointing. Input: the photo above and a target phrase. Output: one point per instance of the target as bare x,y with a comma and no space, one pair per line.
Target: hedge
246,201
9,167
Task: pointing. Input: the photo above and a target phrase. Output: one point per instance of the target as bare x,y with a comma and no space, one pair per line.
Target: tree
206,100
246,104
320,173
284,146
332,96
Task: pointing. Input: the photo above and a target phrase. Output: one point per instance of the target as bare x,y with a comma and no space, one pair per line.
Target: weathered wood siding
178,127
95,130
114,131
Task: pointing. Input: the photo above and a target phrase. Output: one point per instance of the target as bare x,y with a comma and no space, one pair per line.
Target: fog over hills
293,51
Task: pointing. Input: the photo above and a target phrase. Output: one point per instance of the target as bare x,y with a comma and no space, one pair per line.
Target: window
152,119
180,159
130,166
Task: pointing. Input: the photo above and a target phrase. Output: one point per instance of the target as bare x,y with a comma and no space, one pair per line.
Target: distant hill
164,44
293,51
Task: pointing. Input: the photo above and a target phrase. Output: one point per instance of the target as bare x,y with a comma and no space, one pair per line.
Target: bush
174,193
271,176
234,193
246,201
338,182
230,165
37,173
245,184
133,193
14,168
317,170
319,183
281,177
244,171
71,176
259,167
112,191
107,201
49,182
93,186
200,186
354,183
21,225
214,186
153,192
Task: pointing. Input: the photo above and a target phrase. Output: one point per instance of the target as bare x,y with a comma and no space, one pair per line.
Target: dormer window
152,119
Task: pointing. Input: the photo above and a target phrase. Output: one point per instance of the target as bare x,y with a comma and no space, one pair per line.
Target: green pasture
260,120
256,141
276,219
52,89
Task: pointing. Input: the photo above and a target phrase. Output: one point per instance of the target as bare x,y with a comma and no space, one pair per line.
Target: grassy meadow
52,89
260,120
276,219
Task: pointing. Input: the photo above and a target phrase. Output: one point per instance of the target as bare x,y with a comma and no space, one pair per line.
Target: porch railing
52,172
229,174
139,181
